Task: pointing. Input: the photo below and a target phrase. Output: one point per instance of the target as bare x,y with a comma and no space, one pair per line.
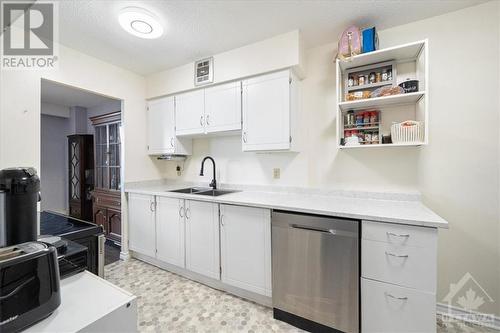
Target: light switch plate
276,173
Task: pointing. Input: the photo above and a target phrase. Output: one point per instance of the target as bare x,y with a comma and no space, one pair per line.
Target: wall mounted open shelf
408,61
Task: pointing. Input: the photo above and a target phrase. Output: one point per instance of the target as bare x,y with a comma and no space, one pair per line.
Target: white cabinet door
161,126
223,107
202,238
170,230
246,248
189,113
266,112
141,223
161,129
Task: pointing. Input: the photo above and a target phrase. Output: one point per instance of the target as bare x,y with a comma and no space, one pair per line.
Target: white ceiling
195,29
59,94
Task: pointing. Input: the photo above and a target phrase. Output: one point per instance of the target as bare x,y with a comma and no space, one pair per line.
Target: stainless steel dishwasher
315,263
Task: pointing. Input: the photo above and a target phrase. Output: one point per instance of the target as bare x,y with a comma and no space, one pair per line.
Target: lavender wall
54,166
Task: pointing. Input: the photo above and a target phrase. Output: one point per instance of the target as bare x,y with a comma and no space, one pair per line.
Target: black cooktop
62,225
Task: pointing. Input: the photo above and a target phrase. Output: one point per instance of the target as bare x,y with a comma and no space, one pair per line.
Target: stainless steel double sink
202,191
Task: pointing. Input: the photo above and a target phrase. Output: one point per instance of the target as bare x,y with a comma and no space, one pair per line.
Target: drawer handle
180,212
396,255
392,296
397,235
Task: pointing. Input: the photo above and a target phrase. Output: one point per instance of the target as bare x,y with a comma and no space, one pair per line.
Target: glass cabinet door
107,156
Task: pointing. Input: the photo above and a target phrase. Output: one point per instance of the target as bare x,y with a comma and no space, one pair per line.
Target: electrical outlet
178,169
276,173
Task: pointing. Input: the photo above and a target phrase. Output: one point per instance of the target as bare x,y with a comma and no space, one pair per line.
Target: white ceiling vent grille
204,71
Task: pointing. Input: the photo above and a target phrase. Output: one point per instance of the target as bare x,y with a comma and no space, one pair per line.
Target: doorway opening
81,170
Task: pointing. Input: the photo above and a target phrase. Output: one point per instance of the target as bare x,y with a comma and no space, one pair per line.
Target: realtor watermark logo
29,35
465,299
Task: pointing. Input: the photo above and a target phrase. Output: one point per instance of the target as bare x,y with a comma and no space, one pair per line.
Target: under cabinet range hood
171,157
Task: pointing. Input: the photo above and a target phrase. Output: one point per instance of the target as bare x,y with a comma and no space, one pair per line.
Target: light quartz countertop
382,207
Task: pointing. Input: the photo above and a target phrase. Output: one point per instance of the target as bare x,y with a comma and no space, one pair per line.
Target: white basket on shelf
409,131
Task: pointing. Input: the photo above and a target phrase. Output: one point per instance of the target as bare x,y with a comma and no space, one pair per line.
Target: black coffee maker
19,194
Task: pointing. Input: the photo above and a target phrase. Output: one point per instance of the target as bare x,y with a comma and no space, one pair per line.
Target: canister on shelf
359,119
371,77
378,77
355,80
375,137
368,138
389,74
373,117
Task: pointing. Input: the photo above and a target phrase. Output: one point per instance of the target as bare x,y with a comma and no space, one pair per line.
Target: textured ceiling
195,29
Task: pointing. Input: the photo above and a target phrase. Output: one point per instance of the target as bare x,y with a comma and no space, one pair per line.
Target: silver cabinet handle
222,220
152,206
392,296
397,235
245,137
172,142
180,211
188,216
201,121
208,119
396,255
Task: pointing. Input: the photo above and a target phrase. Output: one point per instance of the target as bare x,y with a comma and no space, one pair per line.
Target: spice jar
368,138
389,75
366,118
384,75
361,80
378,77
373,117
359,119
350,81
375,137
355,80
371,77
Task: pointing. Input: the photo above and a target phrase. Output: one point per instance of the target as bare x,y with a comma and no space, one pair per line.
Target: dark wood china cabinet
81,175
107,191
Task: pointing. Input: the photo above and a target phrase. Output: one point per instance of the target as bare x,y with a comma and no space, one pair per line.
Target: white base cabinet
170,232
141,224
202,238
246,248
393,309
398,284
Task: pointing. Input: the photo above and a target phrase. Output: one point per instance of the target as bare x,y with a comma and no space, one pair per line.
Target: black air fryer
19,194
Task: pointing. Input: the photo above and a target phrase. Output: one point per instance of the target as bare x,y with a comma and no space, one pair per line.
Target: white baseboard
468,316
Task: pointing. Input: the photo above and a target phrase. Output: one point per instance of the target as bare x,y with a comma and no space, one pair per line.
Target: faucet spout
213,183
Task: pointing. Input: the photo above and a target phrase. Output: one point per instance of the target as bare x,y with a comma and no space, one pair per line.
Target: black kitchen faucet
213,184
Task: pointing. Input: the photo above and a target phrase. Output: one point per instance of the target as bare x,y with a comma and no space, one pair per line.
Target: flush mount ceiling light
139,22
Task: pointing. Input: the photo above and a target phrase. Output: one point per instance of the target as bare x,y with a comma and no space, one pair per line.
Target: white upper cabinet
190,113
202,238
161,129
170,230
141,223
246,248
223,107
269,110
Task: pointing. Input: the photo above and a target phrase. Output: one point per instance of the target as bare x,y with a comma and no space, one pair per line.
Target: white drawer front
407,266
399,234
391,309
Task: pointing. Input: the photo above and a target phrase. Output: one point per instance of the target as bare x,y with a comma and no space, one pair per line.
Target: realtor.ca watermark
29,35
464,301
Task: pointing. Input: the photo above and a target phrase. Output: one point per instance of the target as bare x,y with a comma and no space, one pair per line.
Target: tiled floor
170,303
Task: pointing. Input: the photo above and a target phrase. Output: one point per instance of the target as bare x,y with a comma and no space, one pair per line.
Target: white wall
54,162
275,53
458,173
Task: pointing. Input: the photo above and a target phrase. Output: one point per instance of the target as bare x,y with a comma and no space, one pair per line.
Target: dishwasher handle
332,232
